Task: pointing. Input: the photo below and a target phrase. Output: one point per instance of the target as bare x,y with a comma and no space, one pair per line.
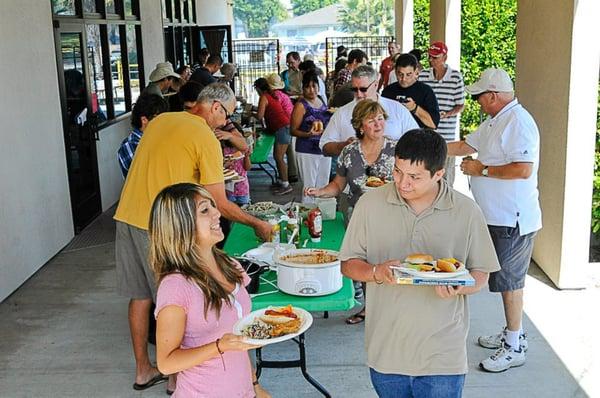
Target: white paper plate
304,315
228,157
433,274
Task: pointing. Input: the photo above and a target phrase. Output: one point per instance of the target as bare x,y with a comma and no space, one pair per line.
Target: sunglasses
476,96
362,89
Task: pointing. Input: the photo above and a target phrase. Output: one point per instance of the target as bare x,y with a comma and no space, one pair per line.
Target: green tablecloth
262,148
242,238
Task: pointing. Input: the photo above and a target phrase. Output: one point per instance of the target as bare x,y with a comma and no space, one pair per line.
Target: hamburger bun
419,258
442,265
374,182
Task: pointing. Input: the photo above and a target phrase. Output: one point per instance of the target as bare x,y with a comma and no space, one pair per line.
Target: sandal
357,318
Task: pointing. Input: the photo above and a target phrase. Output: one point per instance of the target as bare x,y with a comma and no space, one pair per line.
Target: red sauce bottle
315,224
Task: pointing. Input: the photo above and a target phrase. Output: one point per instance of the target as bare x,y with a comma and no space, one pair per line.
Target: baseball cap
162,70
437,48
492,79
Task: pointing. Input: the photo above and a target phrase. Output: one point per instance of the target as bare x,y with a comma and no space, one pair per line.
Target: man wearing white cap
449,89
161,79
504,184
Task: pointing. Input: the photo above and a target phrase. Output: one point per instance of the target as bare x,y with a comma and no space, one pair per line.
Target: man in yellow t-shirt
176,147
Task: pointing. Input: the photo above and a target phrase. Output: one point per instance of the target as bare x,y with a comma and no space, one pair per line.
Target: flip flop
355,319
159,378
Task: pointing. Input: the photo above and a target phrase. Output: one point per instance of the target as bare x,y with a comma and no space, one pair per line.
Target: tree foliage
258,15
375,17
303,6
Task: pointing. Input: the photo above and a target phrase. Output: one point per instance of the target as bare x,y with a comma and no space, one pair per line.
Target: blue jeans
401,386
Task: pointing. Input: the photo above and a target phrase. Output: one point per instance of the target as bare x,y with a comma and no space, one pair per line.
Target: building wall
35,211
214,12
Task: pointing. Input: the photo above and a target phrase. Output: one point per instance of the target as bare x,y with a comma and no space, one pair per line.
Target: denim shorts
282,136
401,386
514,254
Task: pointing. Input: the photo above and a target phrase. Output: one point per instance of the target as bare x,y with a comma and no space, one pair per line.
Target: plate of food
273,325
424,266
373,182
229,174
261,209
237,155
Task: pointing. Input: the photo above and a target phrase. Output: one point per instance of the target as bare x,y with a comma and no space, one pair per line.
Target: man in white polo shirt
339,132
504,184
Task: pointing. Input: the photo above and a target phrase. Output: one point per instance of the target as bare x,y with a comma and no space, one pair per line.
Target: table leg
301,363
326,315
308,378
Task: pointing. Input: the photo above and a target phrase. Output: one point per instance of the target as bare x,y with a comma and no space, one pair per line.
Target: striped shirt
450,91
127,150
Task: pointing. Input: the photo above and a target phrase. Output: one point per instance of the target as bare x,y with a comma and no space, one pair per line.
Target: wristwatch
485,171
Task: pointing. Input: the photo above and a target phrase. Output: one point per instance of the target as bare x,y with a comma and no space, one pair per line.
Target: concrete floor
64,333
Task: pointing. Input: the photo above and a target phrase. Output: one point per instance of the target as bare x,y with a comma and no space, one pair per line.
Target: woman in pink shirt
201,295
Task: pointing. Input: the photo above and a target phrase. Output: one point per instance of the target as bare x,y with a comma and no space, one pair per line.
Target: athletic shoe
496,341
503,359
283,190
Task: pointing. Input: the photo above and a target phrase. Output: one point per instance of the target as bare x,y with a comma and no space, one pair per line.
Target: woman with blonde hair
372,155
201,295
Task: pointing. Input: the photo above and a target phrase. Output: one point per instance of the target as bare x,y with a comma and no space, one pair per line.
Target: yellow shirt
409,330
176,147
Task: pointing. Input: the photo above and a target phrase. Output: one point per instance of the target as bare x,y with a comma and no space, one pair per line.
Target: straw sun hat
274,81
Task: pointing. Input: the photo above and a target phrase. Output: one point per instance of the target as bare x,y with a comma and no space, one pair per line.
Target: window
113,59
179,16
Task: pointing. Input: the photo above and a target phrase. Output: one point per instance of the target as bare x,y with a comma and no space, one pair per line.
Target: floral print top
353,166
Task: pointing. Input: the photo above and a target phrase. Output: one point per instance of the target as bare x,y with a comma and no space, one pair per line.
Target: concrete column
557,81
214,12
404,15
444,25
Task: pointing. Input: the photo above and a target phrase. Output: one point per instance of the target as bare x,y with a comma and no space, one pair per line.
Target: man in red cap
449,89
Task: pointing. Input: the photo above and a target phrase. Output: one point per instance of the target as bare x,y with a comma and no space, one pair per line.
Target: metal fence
374,46
254,58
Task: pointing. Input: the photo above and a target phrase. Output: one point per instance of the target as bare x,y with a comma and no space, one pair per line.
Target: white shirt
510,136
340,126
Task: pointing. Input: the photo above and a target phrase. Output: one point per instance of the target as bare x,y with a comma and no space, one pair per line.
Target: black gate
254,58
374,46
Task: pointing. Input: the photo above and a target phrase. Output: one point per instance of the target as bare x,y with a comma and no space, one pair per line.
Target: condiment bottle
293,229
275,230
315,224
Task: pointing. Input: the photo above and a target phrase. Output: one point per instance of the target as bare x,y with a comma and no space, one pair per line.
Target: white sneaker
503,359
497,340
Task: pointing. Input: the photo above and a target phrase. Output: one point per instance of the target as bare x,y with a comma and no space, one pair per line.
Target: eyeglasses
227,114
362,89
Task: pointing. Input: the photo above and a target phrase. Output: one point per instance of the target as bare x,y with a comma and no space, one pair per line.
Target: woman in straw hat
275,107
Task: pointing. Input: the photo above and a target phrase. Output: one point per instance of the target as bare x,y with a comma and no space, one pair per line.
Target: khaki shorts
135,279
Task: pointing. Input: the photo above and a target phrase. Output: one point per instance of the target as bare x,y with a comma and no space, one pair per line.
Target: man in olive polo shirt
415,336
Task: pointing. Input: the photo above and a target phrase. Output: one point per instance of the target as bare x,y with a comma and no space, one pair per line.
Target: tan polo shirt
176,147
409,329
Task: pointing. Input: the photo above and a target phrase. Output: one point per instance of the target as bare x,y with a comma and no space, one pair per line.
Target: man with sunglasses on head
339,131
416,96
504,185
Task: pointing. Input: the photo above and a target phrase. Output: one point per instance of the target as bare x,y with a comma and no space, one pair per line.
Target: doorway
79,124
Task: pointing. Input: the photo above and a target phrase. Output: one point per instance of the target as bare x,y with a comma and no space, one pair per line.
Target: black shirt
203,76
421,93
